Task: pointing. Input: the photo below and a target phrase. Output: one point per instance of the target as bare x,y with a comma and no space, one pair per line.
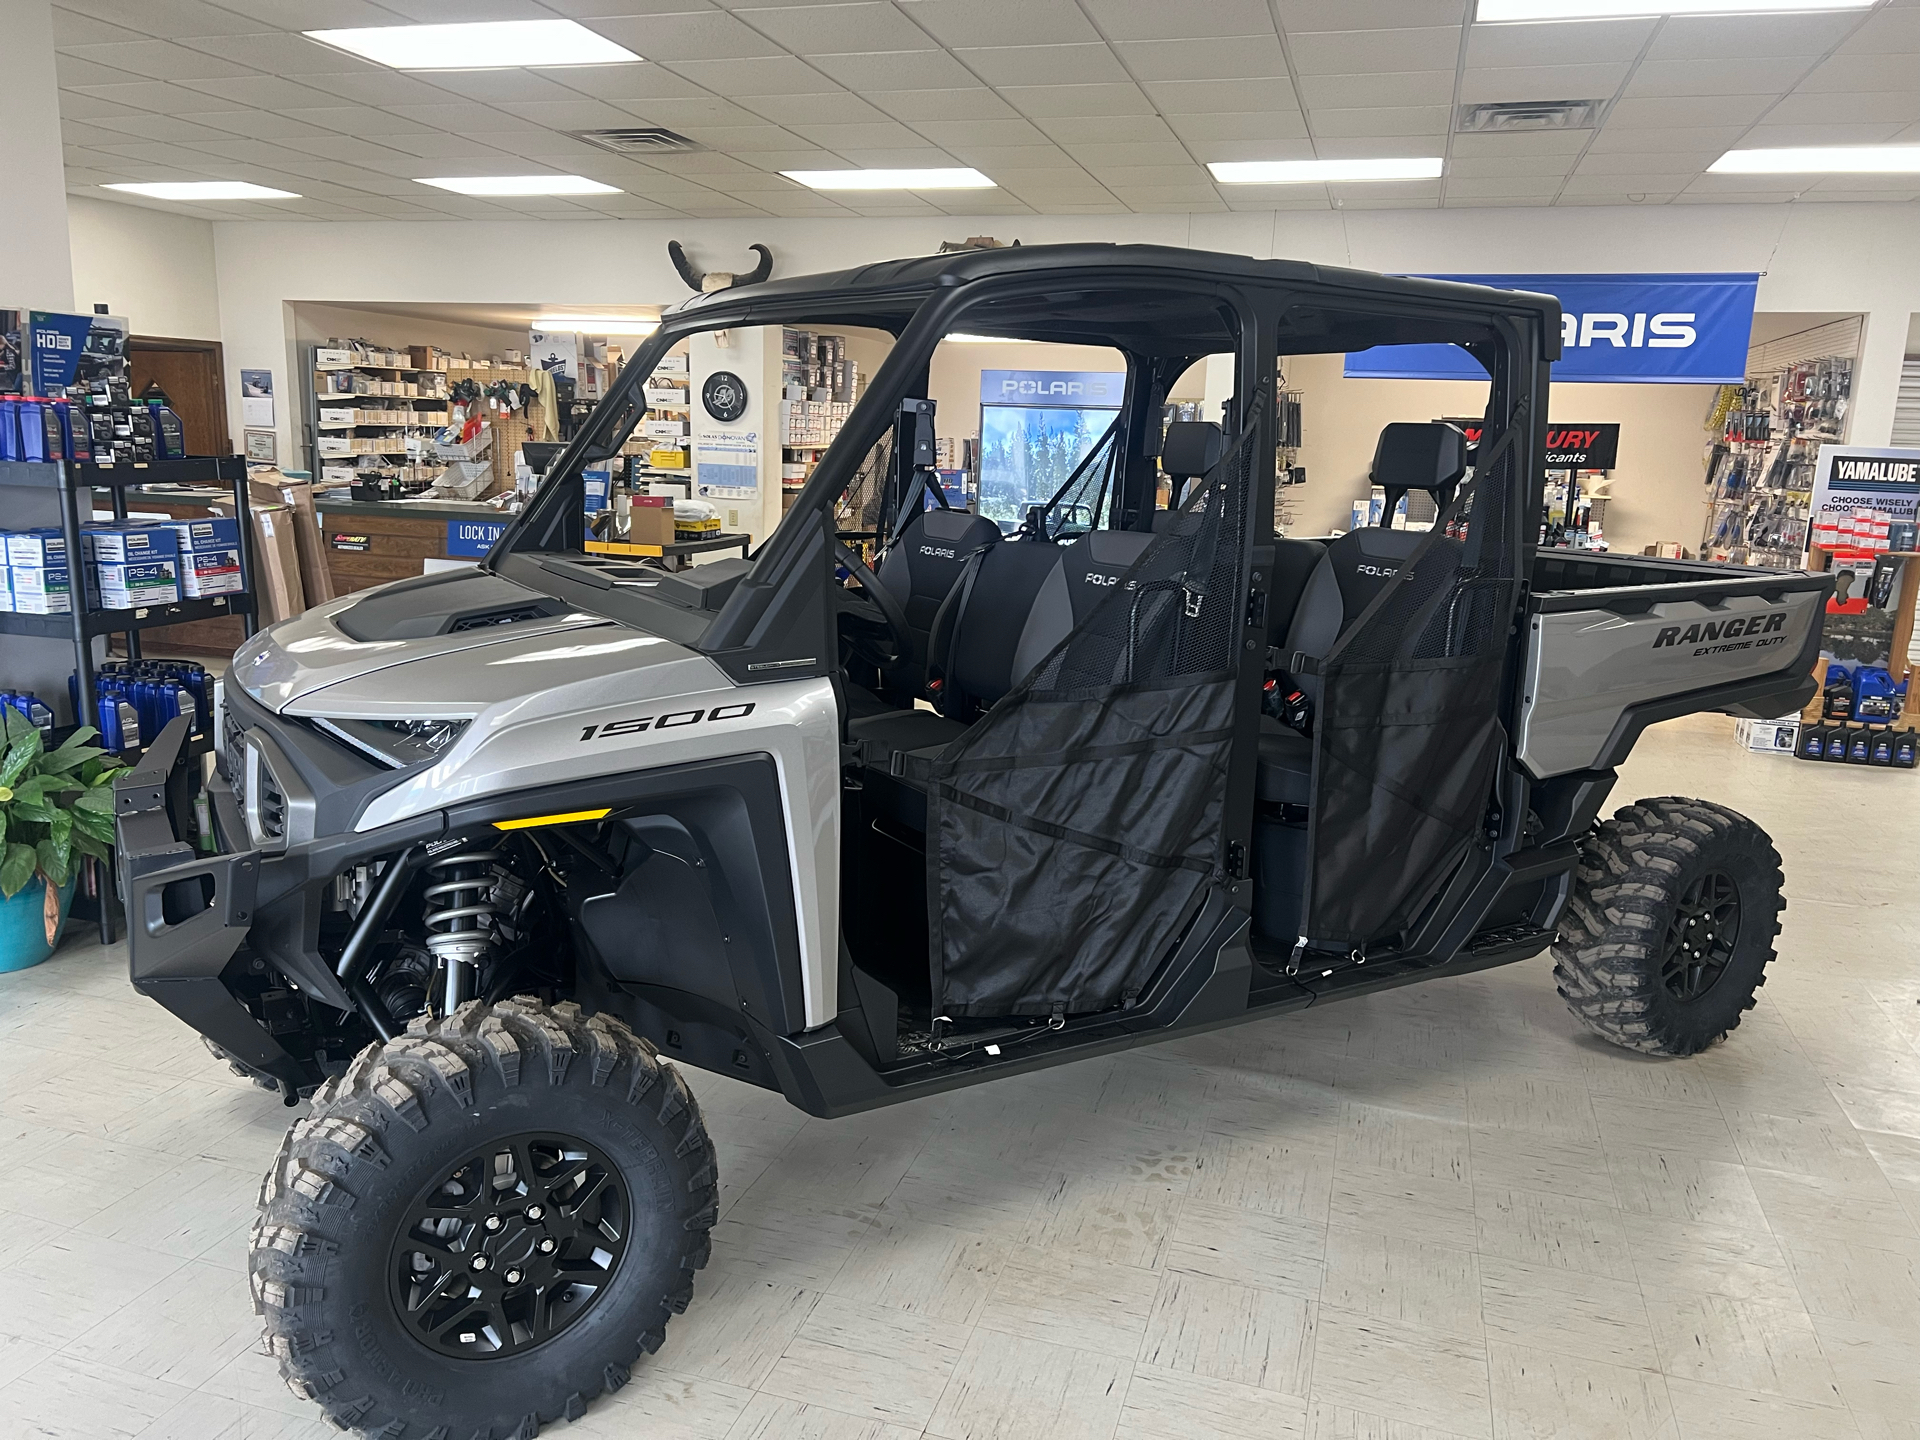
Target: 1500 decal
670,721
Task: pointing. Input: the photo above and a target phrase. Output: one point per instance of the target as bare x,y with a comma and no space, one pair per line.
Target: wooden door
194,377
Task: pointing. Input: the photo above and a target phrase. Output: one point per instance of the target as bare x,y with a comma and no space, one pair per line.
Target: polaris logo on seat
939,552
1751,631
1384,572
1669,330
1094,577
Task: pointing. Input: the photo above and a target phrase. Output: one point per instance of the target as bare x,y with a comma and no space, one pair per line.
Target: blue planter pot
31,923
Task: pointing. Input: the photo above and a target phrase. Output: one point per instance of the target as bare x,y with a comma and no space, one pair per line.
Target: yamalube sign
1632,329
1849,478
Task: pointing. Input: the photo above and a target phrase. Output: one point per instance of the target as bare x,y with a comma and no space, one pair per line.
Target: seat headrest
1192,448
1418,455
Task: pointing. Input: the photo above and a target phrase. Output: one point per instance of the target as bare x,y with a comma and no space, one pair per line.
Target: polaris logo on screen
1027,387
1668,330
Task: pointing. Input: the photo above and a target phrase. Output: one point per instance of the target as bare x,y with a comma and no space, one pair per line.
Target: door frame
178,345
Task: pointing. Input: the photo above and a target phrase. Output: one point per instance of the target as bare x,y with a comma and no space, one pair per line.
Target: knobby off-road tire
482,1119
1670,926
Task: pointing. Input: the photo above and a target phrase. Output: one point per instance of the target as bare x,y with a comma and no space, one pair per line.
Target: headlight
399,743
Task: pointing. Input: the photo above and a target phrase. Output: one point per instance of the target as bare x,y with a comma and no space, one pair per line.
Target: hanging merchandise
1769,434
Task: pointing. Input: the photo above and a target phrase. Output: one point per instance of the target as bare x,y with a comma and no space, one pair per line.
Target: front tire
1670,926
481,1224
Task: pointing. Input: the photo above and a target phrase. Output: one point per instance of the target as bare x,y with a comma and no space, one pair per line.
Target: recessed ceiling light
597,324
203,190
521,185
1323,172
959,339
1500,12
1821,160
950,178
489,45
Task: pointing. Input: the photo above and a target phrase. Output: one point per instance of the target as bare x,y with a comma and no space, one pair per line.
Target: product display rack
383,400
72,480
1760,466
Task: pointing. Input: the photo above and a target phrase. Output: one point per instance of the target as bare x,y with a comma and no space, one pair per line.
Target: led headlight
399,743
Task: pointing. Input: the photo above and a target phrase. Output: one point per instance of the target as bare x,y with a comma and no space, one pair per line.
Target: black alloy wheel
511,1247
1701,935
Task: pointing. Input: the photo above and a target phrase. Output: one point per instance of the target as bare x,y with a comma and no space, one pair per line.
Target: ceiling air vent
1501,117
637,140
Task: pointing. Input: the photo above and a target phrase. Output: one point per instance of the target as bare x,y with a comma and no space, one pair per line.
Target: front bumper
189,911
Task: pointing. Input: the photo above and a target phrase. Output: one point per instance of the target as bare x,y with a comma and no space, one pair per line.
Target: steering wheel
881,635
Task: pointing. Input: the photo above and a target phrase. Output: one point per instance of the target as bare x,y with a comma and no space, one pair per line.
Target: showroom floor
1437,1212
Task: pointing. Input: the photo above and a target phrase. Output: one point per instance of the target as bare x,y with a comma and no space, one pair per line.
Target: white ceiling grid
1071,106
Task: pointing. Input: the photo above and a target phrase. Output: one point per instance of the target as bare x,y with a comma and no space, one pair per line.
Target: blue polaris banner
472,539
1062,389
57,342
1629,329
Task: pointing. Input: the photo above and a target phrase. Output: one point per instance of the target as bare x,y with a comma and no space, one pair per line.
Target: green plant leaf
22,749
34,812
17,868
80,736
100,827
97,798
3,829
62,761
56,857
87,844
31,790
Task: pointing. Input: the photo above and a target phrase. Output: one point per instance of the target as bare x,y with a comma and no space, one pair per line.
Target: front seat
919,570
1355,568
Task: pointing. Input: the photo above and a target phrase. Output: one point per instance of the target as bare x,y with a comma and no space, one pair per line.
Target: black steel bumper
188,910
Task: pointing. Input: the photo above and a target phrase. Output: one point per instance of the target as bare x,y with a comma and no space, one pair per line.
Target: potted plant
55,806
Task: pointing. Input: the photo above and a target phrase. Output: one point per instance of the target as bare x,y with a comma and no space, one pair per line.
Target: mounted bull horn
719,279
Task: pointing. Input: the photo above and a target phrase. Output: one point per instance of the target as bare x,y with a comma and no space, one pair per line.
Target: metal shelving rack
71,480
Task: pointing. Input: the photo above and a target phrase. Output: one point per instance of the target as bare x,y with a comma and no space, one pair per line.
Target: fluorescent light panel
1323,172
489,45
1502,12
597,324
950,178
497,185
1821,160
961,339
203,190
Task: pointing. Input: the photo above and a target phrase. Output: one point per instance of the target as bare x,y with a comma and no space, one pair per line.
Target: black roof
1153,299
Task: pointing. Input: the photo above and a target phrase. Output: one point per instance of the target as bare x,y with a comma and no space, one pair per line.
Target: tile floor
1440,1212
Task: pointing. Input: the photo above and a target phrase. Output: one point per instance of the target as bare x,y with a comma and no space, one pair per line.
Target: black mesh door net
1072,831
1407,734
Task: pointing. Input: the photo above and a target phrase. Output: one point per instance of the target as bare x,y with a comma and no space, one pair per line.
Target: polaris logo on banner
1672,329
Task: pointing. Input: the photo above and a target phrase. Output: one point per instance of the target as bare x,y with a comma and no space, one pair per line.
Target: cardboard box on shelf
209,572
652,521
127,586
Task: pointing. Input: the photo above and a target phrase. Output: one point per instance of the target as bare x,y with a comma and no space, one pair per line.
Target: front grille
269,805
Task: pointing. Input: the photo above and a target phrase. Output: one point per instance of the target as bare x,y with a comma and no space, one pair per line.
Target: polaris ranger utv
487,850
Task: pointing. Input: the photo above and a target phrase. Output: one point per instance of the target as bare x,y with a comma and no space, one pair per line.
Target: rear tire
482,1223
1670,926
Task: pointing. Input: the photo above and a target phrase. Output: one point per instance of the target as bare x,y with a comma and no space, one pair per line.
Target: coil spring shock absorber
460,916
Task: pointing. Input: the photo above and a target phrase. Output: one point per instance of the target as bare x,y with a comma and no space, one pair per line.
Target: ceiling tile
872,135
1099,159
992,158
156,95
1659,113
1482,187
1588,43
1251,125
981,132
1243,57
1892,31
262,92
1358,52
174,17
895,157
1006,65
692,110
626,82
831,108
71,27
1830,109
1482,167
1041,101
1210,151
1863,72
1768,135
1157,20
453,116
1738,37
1542,82
990,22
1380,120
772,75
1526,142
1707,76
795,157
1421,87
437,145
171,128
912,106
691,35
78,105
157,60
896,70
1220,97
344,119
1376,147
1308,15
386,87
1107,129
72,73
1121,175
283,54
838,29
1652,162
1699,137
491,87
577,114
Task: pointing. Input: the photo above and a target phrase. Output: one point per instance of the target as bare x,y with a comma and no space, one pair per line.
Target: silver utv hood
444,646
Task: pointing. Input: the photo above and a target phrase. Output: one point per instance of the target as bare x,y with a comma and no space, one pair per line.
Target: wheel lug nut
513,1277
534,1212
547,1247
479,1262
494,1222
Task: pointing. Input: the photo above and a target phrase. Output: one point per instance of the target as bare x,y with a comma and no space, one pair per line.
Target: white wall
1862,257
153,267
